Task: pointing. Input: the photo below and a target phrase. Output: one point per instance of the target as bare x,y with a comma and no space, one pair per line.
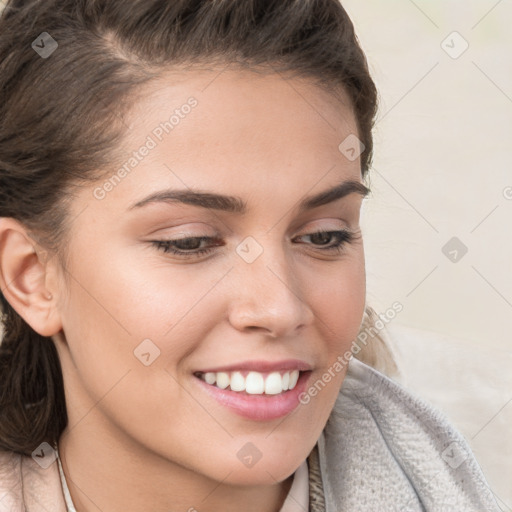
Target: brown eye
321,238
184,247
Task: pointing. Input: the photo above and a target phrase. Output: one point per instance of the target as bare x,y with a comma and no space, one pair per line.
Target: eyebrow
234,204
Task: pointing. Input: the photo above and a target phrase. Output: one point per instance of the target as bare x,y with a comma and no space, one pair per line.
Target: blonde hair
379,351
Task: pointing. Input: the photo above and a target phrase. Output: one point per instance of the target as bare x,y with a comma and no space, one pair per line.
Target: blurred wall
442,165
438,226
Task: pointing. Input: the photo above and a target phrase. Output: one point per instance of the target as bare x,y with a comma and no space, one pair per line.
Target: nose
268,296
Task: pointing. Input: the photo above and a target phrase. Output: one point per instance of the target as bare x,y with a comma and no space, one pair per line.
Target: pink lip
258,407
262,366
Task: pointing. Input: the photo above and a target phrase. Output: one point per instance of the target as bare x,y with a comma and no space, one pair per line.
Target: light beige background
443,169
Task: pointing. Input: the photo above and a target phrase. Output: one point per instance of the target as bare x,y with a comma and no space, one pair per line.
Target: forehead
240,109
235,132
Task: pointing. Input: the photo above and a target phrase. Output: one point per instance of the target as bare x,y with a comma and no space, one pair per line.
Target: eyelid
201,229
327,224
183,232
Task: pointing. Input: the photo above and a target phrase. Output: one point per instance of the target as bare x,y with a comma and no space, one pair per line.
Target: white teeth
237,382
286,381
210,377
222,380
255,383
273,384
294,377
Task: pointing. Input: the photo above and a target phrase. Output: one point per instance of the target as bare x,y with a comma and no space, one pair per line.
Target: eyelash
344,238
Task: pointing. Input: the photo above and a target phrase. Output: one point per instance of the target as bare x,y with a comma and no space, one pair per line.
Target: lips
256,389
257,407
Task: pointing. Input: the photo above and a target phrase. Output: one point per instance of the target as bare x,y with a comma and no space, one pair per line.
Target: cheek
339,301
154,298
339,307
126,337
134,300
122,317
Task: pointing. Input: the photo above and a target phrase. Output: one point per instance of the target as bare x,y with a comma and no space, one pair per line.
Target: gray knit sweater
385,450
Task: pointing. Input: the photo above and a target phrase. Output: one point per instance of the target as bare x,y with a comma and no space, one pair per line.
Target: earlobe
23,271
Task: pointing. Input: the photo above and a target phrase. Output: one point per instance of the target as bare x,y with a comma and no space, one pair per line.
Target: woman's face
139,323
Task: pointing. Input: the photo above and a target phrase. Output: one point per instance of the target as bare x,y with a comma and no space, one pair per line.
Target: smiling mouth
252,382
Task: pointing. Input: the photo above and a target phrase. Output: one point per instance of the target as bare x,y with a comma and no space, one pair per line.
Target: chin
261,474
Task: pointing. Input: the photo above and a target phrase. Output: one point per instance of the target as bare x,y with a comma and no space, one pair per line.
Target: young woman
182,268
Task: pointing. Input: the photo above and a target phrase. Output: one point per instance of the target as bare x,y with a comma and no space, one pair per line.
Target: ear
24,277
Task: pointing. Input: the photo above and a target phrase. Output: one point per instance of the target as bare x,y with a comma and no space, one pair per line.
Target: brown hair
61,121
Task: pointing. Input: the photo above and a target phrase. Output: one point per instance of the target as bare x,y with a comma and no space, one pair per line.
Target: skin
150,431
